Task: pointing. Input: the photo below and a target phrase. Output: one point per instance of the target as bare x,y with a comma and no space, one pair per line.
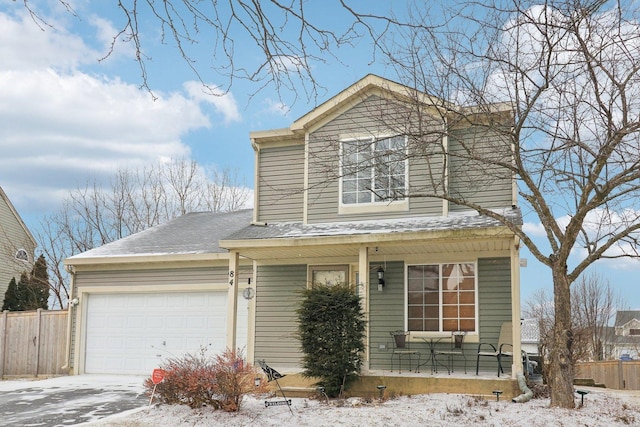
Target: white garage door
134,333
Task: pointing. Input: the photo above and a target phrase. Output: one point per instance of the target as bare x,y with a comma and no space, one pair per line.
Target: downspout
527,394
70,307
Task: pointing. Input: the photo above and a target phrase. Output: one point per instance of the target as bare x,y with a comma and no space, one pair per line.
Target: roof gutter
144,259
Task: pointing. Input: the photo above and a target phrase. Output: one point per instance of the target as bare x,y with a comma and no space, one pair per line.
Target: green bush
199,380
332,330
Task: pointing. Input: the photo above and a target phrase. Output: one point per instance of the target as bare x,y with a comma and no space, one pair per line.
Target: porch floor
411,383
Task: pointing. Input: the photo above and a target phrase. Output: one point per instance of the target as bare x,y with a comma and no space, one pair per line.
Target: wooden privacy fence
32,343
618,374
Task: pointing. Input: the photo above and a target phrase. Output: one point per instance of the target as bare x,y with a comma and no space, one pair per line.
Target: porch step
291,391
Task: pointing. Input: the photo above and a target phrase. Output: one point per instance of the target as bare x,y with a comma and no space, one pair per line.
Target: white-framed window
328,274
442,297
22,255
374,170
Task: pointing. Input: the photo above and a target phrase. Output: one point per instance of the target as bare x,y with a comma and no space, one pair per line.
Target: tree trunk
560,364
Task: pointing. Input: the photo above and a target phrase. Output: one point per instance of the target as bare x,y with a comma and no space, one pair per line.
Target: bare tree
594,305
540,307
135,200
224,192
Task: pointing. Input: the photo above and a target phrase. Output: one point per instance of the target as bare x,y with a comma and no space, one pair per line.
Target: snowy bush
199,380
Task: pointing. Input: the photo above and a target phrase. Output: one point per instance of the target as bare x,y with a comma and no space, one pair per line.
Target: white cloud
277,107
223,102
26,45
105,33
61,127
533,229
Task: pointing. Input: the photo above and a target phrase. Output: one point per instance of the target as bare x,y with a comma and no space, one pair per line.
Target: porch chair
457,338
503,349
401,347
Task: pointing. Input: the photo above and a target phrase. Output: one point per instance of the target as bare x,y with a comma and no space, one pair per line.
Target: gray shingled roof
625,316
529,331
455,221
193,233
199,233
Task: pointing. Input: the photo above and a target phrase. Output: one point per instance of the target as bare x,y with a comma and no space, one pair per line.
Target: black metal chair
457,339
401,348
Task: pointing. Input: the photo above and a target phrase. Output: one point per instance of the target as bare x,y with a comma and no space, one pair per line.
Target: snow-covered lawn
601,408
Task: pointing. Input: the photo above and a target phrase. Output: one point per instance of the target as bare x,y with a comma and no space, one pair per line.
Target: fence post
3,341
621,384
37,340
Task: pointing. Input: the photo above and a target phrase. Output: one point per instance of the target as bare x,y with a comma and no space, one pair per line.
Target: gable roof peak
625,316
15,213
355,93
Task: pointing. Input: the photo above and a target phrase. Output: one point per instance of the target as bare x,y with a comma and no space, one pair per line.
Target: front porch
410,383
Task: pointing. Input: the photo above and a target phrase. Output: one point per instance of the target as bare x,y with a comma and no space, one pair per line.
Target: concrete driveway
66,401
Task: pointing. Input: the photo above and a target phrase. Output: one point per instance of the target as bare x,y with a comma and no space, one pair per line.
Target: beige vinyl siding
281,184
494,286
277,299
373,116
388,313
12,238
154,279
488,185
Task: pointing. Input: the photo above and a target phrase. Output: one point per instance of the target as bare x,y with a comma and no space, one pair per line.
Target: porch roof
469,226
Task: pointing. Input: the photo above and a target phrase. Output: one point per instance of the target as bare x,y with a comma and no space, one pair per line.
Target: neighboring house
627,335
321,215
155,295
530,336
17,245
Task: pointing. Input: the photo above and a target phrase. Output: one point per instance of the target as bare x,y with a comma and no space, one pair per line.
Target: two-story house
339,197
626,341
17,244
350,192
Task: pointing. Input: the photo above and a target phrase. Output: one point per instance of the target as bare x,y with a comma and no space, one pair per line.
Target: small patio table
431,344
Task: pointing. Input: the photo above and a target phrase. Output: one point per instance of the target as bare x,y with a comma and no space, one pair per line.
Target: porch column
363,288
232,300
515,307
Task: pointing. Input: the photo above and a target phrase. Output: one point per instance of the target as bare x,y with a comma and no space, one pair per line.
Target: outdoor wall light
248,293
380,272
74,302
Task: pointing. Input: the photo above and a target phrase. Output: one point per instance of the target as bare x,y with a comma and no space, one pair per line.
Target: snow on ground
601,408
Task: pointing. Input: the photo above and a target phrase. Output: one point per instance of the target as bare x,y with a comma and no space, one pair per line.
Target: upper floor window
22,255
373,170
441,297
634,331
